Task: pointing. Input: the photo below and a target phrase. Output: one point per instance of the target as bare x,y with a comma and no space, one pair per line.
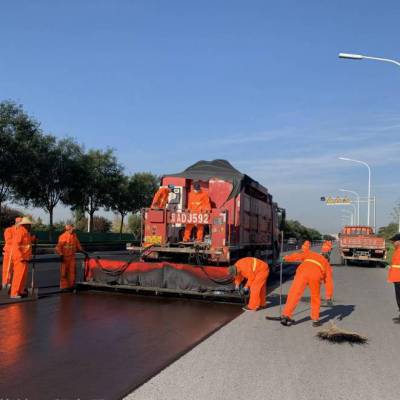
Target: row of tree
39,170
294,229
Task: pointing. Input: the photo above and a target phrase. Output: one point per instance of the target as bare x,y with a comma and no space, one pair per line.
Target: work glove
246,290
329,302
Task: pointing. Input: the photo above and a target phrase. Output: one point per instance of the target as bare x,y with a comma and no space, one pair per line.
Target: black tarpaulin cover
158,275
221,169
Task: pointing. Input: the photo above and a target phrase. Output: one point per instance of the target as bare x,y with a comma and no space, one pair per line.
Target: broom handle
280,278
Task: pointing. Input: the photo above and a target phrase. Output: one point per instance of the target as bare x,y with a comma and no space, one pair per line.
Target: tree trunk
122,225
50,211
91,222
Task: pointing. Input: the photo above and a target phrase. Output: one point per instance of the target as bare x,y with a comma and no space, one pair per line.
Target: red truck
243,221
359,243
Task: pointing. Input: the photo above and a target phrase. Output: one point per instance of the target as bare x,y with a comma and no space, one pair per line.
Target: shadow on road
339,312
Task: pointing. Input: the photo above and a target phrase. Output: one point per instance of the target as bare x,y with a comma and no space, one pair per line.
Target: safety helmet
196,186
25,221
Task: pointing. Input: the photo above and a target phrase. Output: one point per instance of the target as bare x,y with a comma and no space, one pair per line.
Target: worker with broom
21,248
313,270
394,270
7,253
256,272
67,246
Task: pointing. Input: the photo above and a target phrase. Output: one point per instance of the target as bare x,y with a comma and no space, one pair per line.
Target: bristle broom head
336,335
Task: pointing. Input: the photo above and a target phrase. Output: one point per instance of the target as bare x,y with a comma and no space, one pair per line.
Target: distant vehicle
359,243
292,241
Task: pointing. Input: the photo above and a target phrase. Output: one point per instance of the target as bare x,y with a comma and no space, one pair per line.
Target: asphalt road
252,358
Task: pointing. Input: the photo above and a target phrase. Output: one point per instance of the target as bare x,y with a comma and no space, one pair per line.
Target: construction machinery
243,221
359,243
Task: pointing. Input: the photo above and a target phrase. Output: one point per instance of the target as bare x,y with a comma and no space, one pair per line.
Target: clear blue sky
167,83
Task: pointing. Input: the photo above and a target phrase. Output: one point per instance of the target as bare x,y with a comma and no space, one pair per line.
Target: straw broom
335,334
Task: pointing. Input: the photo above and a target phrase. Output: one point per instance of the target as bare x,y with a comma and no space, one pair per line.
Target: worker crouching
256,272
313,270
21,249
68,245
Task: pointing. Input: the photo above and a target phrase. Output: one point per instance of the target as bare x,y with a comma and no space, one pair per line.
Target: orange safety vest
394,268
198,201
249,267
160,198
21,244
68,244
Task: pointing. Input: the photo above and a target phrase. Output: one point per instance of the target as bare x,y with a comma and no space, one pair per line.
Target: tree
7,216
296,229
98,174
143,185
134,225
17,132
52,167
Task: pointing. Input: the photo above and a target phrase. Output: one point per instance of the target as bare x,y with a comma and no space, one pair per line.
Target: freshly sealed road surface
97,346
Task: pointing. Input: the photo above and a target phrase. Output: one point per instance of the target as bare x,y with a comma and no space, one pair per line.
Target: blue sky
255,82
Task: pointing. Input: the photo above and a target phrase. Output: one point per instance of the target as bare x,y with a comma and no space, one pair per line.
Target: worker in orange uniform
67,246
326,249
21,248
313,270
160,199
394,270
256,272
198,202
7,254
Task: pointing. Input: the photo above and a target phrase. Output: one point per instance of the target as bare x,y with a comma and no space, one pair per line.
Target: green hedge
84,237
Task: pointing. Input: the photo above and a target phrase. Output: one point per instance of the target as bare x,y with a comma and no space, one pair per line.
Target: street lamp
350,56
351,215
358,202
369,181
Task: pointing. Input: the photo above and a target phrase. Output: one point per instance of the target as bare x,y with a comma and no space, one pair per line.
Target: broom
335,334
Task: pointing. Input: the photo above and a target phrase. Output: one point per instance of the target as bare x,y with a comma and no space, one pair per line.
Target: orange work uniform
313,270
7,254
256,272
160,199
68,244
326,246
21,254
394,268
197,202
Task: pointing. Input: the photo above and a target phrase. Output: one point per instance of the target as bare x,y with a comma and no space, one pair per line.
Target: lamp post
350,56
351,215
358,202
369,182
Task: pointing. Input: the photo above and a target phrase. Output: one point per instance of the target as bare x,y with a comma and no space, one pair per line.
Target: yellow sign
152,239
337,201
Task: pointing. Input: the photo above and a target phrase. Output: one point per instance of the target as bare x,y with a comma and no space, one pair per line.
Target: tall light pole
369,182
350,56
358,202
351,215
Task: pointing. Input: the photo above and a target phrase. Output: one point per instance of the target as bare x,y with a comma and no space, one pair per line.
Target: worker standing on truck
198,202
21,248
256,272
326,249
313,270
7,253
160,199
394,270
67,246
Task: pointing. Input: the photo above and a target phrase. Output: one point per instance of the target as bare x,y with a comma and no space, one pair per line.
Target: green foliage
388,231
134,225
295,229
7,217
328,237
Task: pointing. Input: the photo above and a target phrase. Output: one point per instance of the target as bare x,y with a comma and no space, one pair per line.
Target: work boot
316,323
396,320
286,321
16,297
245,308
